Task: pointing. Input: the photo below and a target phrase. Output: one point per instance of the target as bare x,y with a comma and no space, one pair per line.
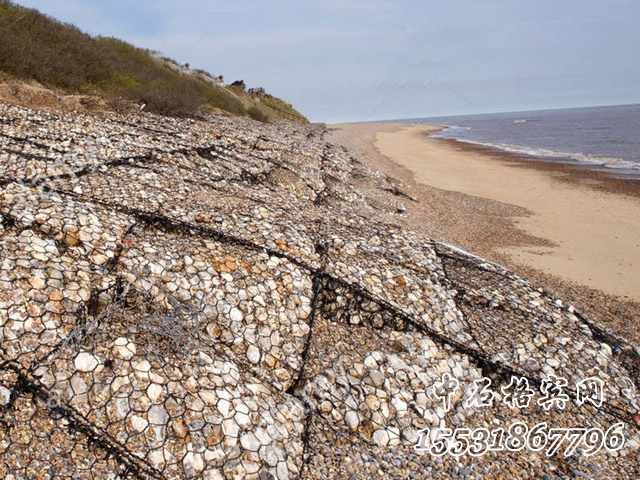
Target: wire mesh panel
191,299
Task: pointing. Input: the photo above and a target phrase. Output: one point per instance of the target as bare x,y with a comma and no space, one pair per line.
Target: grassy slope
35,46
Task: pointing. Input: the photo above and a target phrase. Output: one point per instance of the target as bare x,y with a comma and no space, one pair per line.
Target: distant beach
577,224
595,138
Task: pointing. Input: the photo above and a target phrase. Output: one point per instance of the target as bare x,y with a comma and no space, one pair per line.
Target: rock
193,464
157,415
209,397
250,442
37,282
373,403
85,362
230,428
154,392
138,423
352,420
253,354
98,258
235,315
381,437
5,396
124,349
376,377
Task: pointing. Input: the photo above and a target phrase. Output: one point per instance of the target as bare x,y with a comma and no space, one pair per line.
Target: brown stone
71,237
179,428
215,436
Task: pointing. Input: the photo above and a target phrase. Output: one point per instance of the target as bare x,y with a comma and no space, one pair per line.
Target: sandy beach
567,228
595,235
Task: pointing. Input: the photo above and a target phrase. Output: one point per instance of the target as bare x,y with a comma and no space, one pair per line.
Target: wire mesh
185,299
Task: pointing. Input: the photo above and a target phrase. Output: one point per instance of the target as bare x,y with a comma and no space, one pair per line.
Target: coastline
571,229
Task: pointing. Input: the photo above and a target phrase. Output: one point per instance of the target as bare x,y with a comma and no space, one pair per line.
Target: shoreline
595,233
582,174
546,221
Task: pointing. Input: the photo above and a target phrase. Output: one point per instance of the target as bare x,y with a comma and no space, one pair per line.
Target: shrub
257,113
35,46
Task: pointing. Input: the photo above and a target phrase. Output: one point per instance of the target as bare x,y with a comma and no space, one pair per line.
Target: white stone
394,436
139,423
253,354
381,438
352,419
411,436
208,397
376,377
37,282
193,464
422,399
142,366
5,396
270,457
214,474
546,369
263,436
215,456
85,362
250,442
236,315
154,392
230,428
224,407
78,385
370,362
553,362
373,403
156,458
400,406
124,351
158,415
204,359
243,419
121,408
98,258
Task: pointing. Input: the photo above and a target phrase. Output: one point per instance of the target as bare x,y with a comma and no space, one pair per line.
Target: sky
364,60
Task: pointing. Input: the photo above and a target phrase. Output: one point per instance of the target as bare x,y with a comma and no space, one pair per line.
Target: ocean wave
594,160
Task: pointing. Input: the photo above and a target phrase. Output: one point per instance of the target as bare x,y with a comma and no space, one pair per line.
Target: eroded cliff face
226,299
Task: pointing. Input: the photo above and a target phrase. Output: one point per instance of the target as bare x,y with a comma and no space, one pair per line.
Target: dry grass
58,55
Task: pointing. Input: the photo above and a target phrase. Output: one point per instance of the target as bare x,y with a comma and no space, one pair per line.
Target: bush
35,46
221,98
177,98
257,113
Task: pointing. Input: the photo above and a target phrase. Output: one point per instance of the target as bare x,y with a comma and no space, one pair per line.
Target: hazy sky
359,60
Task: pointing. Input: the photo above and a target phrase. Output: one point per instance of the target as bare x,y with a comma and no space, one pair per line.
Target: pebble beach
224,298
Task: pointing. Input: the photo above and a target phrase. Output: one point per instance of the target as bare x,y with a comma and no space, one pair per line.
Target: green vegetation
35,46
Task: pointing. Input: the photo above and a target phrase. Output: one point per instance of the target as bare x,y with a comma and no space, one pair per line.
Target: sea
600,138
